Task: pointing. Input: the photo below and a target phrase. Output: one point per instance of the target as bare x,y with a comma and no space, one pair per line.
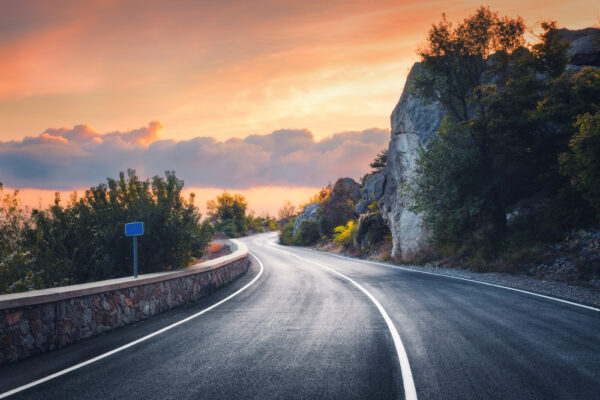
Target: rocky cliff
412,124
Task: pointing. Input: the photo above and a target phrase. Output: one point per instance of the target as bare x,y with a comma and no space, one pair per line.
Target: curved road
307,325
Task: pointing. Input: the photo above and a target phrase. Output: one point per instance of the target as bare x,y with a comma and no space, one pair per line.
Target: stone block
13,318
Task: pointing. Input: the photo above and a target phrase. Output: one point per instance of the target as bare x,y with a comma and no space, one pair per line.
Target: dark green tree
503,129
85,241
582,162
228,214
377,165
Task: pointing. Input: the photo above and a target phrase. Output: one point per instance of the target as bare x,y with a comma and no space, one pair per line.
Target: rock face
412,123
371,191
308,213
585,45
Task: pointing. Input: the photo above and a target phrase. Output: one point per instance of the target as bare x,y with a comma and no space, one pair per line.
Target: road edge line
410,392
454,277
131,344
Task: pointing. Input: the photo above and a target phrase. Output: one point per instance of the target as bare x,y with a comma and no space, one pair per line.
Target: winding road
308,325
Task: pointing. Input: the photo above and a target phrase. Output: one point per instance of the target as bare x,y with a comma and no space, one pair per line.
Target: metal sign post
134,229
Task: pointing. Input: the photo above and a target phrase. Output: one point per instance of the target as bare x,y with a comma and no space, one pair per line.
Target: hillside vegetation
514,168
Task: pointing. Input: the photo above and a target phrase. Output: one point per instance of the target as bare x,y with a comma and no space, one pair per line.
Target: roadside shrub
308,234
343,235
285,234
338,208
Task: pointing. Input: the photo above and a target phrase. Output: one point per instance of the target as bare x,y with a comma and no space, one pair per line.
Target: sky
272,99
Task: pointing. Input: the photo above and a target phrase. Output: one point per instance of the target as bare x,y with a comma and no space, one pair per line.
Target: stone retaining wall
43,320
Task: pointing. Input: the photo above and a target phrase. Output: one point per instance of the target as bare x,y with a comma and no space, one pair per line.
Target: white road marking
456,277
131,344
410,393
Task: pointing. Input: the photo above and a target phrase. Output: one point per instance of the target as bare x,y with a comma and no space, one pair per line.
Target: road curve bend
305,325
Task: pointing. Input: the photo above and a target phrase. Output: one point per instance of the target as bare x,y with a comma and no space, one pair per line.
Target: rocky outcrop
372,190
370,231
309,213
349,187
413,123
585,46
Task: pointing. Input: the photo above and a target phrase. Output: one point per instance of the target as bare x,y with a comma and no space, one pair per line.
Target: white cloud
70,158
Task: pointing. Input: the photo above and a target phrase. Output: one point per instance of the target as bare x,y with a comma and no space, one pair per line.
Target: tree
17,263
227,207
377,165
493,149
582,162
228,214
455,59
287,211
445,187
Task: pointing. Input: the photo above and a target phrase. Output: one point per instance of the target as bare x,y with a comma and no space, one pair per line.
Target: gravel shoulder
561,290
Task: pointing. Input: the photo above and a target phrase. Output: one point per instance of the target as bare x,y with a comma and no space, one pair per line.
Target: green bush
337,208
85,241
308,233
344,234
286,234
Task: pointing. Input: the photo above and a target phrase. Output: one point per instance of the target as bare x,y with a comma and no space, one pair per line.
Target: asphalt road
316,326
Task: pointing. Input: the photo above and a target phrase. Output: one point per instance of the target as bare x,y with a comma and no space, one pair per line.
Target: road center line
410,393
131,344
457,277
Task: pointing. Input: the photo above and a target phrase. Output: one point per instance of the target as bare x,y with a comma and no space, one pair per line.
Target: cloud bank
73,158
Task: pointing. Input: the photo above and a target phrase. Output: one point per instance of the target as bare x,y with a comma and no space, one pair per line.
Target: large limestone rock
309,212
413,123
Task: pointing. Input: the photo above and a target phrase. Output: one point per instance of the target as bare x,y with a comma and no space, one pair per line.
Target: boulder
371,230
309,212
585,45
349,186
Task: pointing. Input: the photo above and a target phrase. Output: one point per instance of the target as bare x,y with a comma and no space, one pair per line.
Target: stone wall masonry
39,321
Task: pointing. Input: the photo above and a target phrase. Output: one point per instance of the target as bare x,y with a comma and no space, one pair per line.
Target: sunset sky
269,98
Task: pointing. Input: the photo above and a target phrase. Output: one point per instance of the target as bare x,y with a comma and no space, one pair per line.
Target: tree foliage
377,165
510,110
337,208
582,162
227,207
228,214
287,211
85,241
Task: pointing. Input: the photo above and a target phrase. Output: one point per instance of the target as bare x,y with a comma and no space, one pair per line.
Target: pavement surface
308,325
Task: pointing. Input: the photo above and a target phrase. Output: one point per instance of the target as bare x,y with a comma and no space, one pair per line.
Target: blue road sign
134,229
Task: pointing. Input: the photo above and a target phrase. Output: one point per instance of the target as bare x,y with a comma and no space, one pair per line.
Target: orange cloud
68,158
327,66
